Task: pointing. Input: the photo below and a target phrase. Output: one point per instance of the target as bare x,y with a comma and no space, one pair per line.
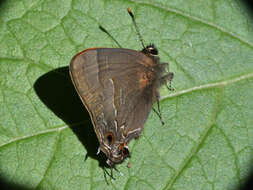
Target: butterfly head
150,50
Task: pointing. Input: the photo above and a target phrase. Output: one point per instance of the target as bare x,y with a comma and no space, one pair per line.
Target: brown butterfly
118,87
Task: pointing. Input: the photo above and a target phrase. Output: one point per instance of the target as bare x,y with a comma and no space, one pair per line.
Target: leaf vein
210,85
32,135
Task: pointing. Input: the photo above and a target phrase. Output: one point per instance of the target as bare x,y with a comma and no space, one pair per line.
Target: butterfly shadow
248,5
248,181
4,184
56,91
2,2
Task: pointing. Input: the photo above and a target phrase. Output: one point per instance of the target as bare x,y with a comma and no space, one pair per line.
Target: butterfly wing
115,86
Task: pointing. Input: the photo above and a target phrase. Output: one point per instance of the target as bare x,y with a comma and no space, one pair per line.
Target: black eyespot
126,151
109,138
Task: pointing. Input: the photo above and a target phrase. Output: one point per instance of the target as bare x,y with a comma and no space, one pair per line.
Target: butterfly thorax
157,70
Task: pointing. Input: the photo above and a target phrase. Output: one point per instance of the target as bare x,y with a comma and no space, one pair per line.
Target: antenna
105,31
135,25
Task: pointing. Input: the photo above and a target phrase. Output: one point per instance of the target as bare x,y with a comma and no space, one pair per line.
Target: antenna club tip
130,12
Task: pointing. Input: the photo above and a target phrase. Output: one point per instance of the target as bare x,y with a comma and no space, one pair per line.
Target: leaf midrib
209,85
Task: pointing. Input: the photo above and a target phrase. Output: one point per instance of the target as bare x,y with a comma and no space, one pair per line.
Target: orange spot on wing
144,79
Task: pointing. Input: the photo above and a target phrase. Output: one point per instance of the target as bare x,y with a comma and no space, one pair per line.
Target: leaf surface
46,138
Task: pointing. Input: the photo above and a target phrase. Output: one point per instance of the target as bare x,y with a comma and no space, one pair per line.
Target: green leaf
46,134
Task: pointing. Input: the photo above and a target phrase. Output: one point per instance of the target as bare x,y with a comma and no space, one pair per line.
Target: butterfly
118,87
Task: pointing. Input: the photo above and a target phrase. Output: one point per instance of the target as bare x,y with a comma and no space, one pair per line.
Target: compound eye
153,51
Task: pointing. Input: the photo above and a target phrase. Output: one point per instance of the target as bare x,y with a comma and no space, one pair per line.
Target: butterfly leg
167,77
164,79
159,111
109,174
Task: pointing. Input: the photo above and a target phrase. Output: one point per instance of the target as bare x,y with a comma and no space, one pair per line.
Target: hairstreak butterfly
118,87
